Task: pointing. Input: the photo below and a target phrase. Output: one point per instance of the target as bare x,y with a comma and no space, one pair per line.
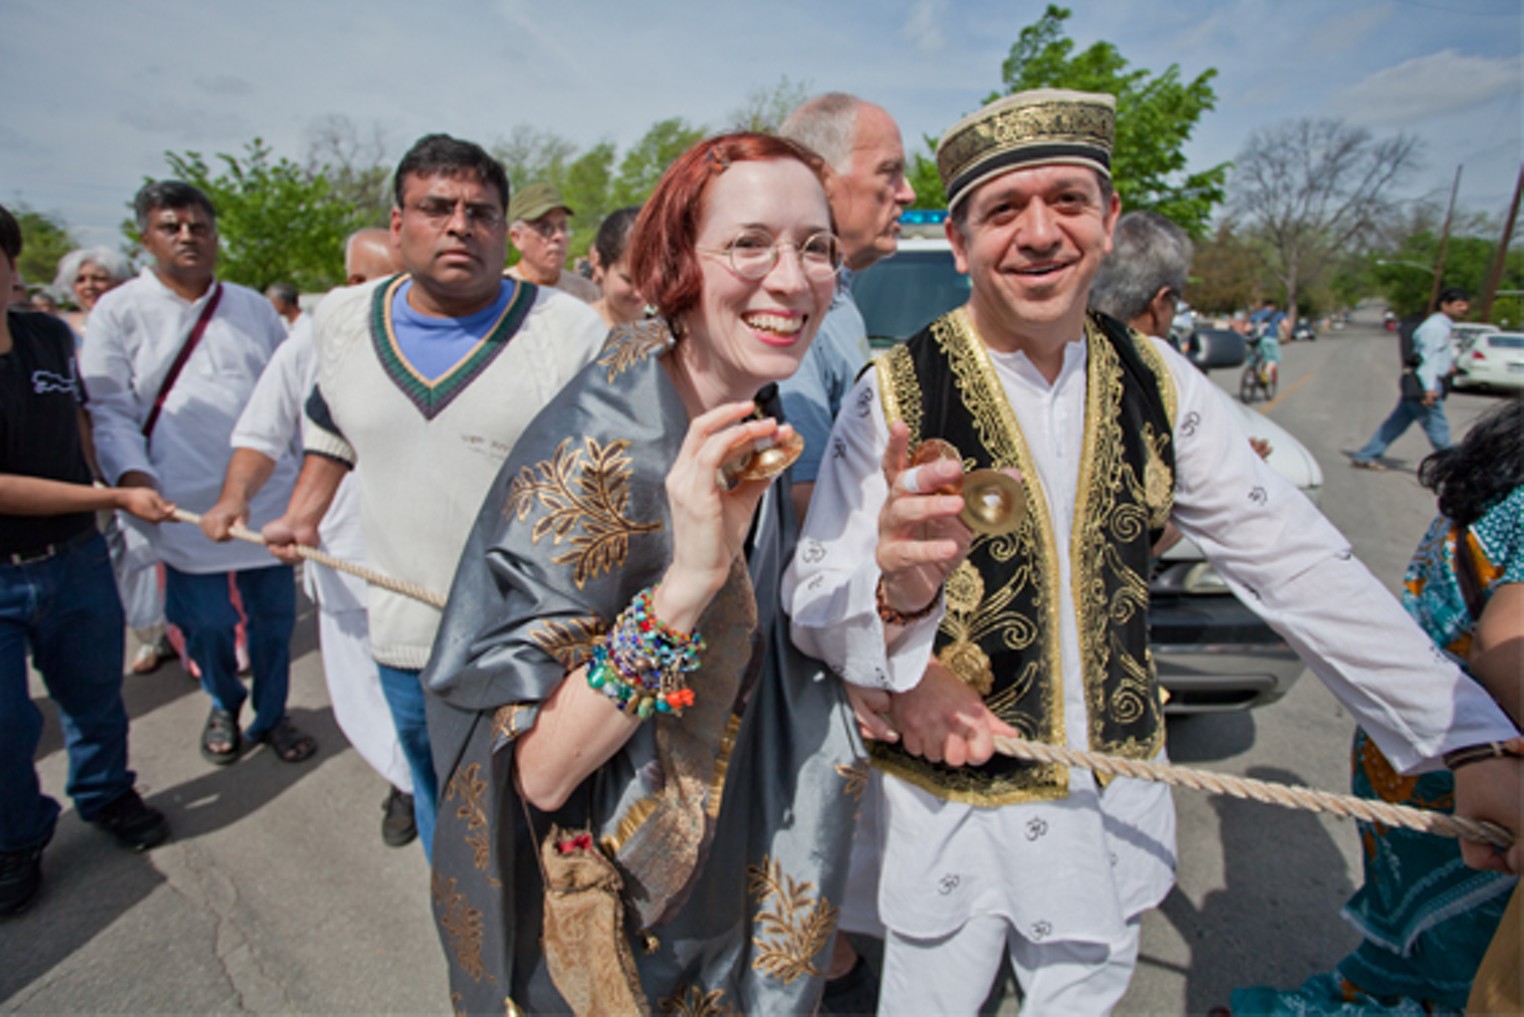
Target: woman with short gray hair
83,275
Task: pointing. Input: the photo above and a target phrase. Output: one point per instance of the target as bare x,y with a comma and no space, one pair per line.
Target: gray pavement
277,895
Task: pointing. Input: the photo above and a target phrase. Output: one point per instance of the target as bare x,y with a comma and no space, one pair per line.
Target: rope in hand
1287,796
380,579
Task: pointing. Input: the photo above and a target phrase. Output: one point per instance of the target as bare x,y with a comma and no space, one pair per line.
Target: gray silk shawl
730,826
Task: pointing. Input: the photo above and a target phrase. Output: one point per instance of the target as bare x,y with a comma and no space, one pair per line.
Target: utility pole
1495,276
1444,241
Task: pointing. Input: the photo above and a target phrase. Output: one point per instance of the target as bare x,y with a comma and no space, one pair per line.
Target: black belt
44,553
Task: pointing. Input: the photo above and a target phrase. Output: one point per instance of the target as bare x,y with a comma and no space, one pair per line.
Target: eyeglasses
440,211
547,228
174,227
754,253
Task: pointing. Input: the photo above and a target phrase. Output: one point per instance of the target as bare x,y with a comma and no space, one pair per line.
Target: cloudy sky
96,90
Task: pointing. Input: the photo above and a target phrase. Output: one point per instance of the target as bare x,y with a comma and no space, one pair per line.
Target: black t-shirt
39,425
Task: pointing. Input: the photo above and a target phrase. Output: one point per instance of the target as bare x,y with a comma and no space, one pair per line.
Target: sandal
220,741
291,745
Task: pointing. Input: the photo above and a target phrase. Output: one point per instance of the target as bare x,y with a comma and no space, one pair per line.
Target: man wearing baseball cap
537,226
950,638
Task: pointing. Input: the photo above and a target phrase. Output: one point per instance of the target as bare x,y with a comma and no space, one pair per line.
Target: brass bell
994,503
765,459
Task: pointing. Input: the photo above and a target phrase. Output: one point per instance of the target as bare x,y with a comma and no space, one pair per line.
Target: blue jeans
404,694
67,609
201,606
1431,418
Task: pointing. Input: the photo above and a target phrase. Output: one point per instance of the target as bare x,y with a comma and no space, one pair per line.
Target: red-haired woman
648,792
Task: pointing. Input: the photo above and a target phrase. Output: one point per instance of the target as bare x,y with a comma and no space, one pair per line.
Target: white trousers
354,687
954,974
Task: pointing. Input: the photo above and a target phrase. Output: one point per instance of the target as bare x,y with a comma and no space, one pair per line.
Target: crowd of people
724,656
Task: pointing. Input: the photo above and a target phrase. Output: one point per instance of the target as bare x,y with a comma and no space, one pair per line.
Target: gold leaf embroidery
505,721
569,642
629,345
797,928
591,497
462,926
856,777
472,792
693,1001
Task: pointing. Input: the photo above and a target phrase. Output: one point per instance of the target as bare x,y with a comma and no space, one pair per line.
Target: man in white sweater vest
430,377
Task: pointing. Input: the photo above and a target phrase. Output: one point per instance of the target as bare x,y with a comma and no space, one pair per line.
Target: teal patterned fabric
1426,917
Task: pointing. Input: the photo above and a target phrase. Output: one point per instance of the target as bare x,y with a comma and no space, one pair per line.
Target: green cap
535,200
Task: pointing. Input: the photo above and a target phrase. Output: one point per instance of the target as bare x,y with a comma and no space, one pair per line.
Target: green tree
1156,114
587,186
643,165
1405,274
924,178
276,221
1225,271
45,239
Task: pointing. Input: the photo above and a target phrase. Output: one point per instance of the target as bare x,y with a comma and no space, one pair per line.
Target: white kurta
132,338
1078,868
271,424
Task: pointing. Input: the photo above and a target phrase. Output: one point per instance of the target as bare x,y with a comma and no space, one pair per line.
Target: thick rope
1286,795
382,580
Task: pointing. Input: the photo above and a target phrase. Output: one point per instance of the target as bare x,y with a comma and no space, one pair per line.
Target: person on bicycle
1268,322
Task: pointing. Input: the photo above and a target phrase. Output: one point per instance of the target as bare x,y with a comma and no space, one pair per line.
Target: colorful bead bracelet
640,664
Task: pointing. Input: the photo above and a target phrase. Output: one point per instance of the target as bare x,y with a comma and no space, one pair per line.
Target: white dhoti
354,687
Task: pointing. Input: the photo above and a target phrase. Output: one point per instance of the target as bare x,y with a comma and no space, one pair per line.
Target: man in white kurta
270,429
1060,879
135,335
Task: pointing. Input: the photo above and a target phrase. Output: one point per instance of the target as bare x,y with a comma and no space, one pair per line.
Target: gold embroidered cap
1040,127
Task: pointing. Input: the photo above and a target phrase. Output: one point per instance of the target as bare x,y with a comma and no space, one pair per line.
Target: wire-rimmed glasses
754,253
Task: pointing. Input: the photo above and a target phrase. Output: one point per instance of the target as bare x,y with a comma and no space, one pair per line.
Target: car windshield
903,294
1506,342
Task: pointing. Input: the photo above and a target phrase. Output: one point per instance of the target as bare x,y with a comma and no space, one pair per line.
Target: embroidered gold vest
1001,633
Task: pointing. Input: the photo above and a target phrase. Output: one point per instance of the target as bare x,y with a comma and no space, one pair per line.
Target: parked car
1212,652
1465,333
1490,360
1305,331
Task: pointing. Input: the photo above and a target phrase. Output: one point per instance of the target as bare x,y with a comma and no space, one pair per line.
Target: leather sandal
221,730
290,744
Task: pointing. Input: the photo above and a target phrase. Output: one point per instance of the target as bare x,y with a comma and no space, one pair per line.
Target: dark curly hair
1483,469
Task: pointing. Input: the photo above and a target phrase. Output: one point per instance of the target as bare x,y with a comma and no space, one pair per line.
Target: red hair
663,261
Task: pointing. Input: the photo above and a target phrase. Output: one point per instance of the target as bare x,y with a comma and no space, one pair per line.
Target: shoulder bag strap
191,342
1467,575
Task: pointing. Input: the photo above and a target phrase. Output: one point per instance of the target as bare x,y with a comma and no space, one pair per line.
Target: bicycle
1259,375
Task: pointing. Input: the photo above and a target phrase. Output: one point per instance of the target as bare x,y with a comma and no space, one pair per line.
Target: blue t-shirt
433,346
813,396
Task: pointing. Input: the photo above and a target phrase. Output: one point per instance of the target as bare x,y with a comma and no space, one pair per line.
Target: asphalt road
277,895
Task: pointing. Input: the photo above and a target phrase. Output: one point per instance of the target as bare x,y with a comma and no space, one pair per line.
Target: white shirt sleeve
830,587
271,422
1286,561
116,419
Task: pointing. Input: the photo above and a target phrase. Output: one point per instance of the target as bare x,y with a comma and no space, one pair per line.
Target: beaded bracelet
640,664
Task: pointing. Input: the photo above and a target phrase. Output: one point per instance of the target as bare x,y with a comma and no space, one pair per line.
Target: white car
1490,360
1211,651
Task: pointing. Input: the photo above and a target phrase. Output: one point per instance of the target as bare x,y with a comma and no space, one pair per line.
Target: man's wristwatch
1457,758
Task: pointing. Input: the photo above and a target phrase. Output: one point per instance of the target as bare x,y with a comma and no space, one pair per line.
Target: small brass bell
764,459
994,503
